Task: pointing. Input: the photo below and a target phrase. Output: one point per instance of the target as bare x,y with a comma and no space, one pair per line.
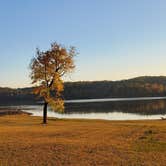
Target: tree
47,70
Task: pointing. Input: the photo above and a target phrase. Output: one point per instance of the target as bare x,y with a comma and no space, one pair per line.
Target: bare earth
24,141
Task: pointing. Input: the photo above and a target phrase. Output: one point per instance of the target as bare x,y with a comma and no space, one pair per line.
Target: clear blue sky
116,39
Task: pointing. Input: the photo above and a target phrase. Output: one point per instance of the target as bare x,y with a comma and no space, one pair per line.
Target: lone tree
47,70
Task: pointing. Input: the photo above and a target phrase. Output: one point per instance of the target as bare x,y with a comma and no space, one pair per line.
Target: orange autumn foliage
47,70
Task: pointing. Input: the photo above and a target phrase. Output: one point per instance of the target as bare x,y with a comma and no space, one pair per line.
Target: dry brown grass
24,141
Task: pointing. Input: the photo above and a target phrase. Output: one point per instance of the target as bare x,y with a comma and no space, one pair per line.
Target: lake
107,109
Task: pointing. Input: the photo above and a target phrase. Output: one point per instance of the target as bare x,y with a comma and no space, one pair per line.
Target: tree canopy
47,70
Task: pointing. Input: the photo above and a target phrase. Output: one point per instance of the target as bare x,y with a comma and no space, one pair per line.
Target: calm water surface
108,109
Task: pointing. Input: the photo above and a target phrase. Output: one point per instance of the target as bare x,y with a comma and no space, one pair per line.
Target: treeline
136,87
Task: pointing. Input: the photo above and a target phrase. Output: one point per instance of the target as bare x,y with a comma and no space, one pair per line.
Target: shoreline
12,111
18,111
5,112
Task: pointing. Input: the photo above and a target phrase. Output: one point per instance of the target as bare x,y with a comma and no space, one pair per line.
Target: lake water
108,109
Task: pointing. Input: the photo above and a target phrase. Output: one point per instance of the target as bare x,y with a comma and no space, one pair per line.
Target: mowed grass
25,141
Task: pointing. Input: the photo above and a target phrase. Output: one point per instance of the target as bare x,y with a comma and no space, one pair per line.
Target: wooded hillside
136,87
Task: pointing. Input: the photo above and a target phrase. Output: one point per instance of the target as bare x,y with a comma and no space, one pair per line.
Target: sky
116,39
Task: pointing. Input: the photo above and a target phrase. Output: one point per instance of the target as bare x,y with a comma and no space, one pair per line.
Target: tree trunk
45,113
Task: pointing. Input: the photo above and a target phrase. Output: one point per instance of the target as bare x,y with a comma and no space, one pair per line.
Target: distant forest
137,87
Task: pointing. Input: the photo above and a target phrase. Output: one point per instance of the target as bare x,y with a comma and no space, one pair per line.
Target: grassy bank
25,141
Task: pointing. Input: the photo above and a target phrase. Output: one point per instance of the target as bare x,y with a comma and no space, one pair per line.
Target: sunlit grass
25,141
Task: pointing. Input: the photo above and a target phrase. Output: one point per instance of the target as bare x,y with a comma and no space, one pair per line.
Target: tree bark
45,113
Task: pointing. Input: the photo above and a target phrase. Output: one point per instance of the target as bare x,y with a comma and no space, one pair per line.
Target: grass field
25,141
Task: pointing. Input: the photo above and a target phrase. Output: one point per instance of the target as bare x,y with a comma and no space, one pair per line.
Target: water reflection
107,110
117,110
152,107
